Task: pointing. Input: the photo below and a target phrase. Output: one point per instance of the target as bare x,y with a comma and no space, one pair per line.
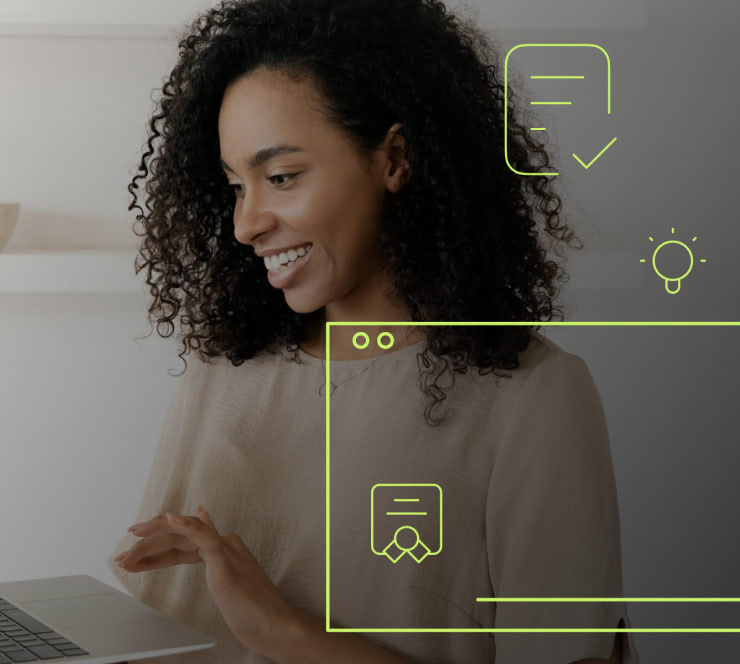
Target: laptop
80,619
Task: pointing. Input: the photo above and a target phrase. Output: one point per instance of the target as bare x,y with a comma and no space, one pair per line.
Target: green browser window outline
610,630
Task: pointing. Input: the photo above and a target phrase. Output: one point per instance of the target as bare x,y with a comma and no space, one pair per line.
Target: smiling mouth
289,264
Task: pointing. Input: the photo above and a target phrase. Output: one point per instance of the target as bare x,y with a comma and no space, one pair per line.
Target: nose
250,222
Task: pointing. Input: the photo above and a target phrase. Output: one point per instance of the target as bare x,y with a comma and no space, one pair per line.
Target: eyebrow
262,156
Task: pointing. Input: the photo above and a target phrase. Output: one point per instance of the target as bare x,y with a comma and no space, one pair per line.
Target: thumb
206,518
204,537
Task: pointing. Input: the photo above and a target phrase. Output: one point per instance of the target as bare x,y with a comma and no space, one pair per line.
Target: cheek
334,265
342,227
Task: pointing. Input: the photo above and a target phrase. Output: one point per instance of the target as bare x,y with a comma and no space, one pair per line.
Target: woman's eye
274,177
284,175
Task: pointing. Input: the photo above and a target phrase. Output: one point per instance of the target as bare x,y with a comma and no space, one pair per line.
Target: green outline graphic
610,630
394,541
671,280
551,103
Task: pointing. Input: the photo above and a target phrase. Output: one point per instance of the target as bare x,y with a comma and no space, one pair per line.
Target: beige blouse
516,497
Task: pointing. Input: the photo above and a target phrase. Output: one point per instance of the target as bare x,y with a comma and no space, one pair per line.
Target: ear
395,149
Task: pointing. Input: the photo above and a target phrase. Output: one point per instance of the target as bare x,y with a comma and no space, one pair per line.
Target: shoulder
544,361
557,394
208,371
548,381
555,420
551,384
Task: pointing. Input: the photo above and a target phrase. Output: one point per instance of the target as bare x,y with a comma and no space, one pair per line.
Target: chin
303,305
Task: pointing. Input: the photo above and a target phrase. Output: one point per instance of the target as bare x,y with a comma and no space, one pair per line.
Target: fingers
148,527
150,550
160,561
160,522
205,537
164,542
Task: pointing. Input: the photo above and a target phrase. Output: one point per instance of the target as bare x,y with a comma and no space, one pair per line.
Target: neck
377,303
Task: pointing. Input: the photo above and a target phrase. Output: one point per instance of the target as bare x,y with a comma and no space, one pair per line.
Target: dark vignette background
670,392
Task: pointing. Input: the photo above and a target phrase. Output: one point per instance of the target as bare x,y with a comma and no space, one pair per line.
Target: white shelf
138,18
100,30
143,19
112,271
72,271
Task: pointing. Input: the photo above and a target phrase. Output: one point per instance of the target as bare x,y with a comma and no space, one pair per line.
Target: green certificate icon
406,521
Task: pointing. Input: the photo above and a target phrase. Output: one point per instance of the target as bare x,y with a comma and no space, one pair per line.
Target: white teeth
279,262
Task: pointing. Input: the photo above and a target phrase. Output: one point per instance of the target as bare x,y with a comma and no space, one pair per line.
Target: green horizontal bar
546,323
405,513
608,630
607,599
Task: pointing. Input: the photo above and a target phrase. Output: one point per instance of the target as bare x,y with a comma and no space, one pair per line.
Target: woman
342,160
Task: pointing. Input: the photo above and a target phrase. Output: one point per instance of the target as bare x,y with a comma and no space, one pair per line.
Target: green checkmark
593,161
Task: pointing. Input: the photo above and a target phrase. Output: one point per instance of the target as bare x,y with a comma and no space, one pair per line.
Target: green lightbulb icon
673,283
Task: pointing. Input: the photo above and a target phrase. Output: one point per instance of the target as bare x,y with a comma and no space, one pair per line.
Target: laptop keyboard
25,639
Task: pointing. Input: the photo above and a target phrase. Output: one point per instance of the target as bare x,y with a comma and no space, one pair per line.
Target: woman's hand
250,604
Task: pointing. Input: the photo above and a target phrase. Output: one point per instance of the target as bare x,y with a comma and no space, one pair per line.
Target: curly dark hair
463,239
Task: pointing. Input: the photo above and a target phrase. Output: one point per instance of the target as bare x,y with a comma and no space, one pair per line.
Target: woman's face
317,195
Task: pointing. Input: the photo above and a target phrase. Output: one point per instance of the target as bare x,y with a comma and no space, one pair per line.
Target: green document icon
406,520
572,82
